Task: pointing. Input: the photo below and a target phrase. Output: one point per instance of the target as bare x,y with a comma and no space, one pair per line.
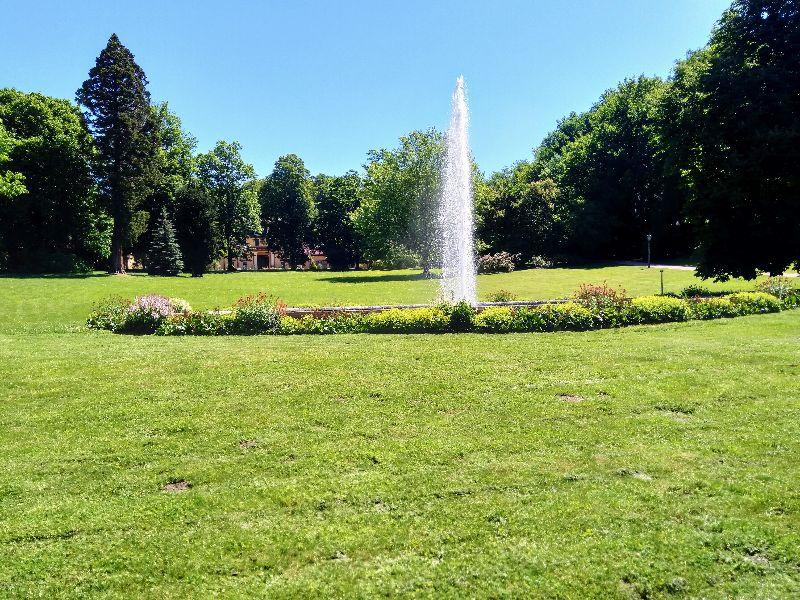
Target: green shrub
341,323
179,305
606,304
495,319
657,309
145,314
501,262
568,316
792,299
197,323
256,314
751,303
712,308
397,256
501,296
417,320
109,314
695,290
462,316
540,262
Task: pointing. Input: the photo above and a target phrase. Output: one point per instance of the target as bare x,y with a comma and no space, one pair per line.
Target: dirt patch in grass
174,487
571,398
248,444
640,475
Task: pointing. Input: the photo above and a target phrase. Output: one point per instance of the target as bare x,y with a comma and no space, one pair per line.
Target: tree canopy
734,126
401,193
224,173
53,221
287,209
336,200
705,163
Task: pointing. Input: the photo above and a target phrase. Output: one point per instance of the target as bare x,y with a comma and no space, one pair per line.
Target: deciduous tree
734,117
288,210
54,222
401,196
224,173
336,199
196,227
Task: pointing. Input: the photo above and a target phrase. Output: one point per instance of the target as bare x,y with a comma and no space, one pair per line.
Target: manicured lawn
41,303
647,461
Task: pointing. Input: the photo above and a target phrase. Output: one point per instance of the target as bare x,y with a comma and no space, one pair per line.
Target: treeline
706,163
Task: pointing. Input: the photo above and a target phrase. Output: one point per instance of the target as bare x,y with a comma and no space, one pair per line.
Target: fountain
455,227
456,221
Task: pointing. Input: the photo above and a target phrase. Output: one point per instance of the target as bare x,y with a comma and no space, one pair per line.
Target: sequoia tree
117,109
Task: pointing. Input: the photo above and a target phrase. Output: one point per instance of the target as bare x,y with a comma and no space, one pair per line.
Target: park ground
649,461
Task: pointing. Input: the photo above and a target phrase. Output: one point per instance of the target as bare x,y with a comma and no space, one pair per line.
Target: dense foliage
196,227
287,209
225,175
401,190
735,114
52,220
337,198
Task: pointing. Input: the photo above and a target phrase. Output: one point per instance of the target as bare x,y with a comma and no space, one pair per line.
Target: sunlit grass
641,462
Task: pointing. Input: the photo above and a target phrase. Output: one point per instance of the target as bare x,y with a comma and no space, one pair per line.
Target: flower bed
593,307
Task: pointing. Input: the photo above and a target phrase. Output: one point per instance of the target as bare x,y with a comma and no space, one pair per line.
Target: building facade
259,257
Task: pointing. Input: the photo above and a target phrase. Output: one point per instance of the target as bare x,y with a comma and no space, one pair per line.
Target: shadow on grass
53,275
378,278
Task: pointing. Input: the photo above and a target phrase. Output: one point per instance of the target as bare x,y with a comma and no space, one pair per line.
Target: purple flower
152,305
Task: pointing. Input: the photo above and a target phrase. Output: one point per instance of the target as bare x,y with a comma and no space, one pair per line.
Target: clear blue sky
329,80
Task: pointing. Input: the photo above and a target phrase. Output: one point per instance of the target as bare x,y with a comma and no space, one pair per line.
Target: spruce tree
117,109
164,254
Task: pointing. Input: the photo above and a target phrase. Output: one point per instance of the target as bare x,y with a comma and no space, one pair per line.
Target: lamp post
649,237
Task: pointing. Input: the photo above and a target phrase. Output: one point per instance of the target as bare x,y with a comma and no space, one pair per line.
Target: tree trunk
117,259
230,267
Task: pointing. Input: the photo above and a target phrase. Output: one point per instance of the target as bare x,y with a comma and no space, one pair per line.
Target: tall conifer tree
117,109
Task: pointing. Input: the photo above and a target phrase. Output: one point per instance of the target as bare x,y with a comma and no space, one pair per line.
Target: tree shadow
53,275
378,278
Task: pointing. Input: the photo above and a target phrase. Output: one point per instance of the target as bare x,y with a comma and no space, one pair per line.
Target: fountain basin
328,311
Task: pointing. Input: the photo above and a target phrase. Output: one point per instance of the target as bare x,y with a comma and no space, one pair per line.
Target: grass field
42,303
650,461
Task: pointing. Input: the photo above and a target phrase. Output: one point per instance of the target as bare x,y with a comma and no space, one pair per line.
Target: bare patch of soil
177,486
571,398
